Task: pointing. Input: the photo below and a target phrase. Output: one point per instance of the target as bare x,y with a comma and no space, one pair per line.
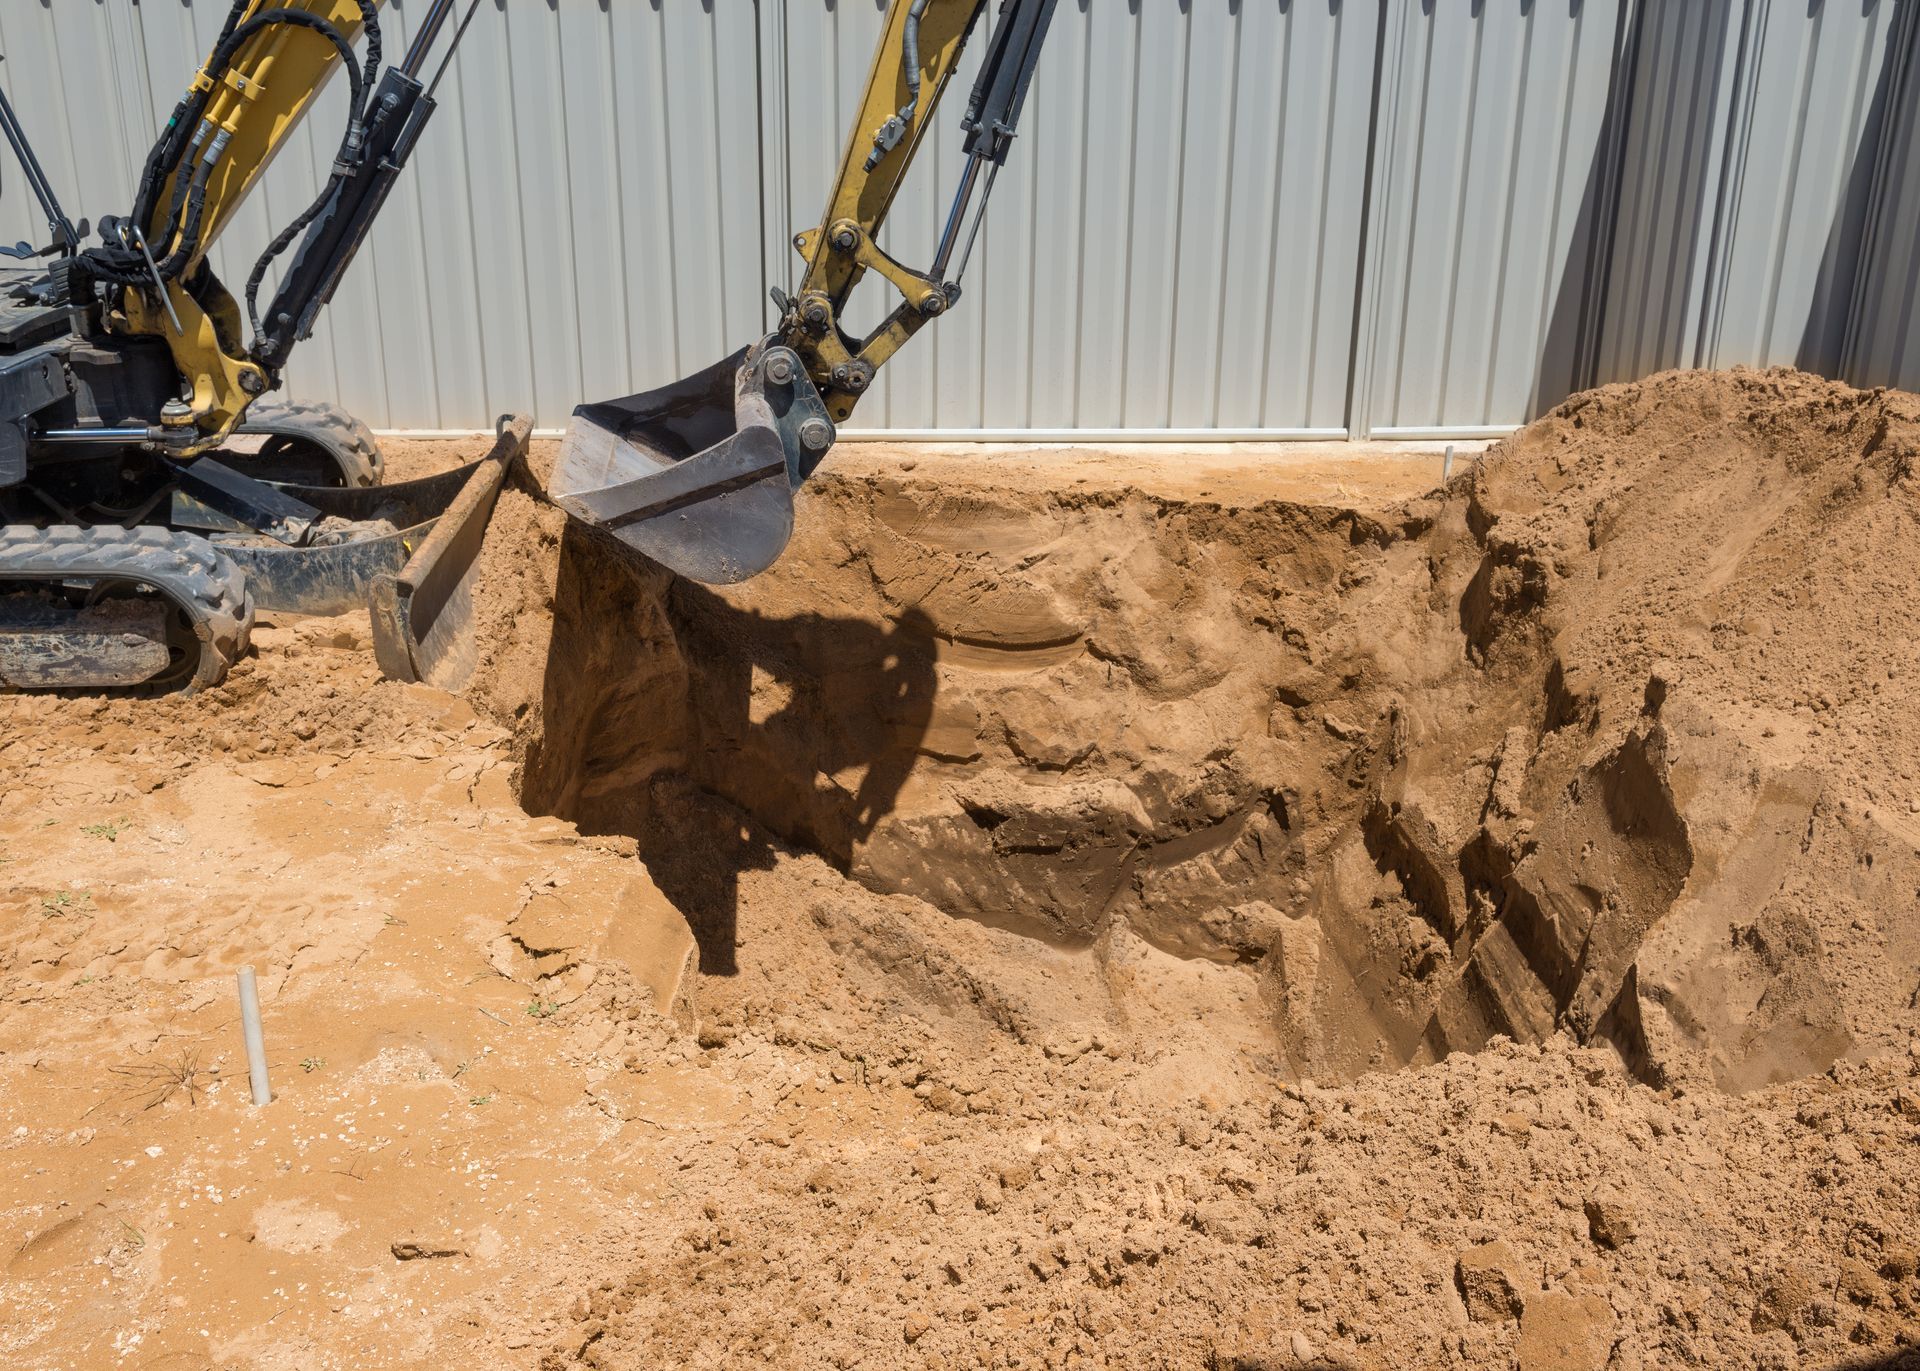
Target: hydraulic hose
163,159
890,133
282,241
189,192
910,56
359,117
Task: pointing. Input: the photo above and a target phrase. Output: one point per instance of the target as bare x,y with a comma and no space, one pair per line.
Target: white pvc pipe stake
256,1040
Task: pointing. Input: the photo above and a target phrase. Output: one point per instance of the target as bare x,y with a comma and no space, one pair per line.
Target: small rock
1783,1301
1898,1262
946,1100
1609,1222
1343,730
1513,1125
1070,1049
1565,1333
1229,1221
1484,1275
916,1327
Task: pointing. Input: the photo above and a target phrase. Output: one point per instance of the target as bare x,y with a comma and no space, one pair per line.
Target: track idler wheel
116,608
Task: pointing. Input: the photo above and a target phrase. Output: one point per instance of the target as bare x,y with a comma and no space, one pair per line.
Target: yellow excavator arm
138,362
242,106
267,68
918,53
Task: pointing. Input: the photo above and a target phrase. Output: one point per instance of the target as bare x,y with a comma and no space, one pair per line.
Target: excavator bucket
699,475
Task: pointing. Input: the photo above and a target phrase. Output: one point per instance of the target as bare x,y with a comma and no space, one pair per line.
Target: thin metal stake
256,1040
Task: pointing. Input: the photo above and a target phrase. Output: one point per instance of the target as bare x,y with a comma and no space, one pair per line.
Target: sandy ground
1262,913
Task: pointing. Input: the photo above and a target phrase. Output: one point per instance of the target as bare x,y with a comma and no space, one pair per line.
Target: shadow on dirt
810,722
668,713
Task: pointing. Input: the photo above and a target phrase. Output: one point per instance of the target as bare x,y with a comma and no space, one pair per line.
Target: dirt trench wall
1604,738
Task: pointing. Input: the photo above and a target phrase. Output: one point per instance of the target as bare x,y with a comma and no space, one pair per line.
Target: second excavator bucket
700,475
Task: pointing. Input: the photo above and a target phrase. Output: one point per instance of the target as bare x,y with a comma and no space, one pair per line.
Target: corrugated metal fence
1277,217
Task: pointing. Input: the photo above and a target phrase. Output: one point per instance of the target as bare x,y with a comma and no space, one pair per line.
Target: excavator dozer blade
699,475
423,626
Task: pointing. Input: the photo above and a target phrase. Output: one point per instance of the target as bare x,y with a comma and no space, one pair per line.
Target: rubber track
350,441
188,570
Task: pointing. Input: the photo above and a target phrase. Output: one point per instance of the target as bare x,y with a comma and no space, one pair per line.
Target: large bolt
815,435
815,313
843,376
253,383
846,237
934,305
780,366
861,375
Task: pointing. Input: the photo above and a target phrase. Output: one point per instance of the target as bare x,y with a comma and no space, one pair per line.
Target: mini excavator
150,500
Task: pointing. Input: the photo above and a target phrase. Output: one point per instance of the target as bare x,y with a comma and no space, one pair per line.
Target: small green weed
63,902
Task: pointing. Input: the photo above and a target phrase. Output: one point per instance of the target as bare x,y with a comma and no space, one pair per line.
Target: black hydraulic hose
282,242
910,55
357,99
163,159
370,25
183,183
176,261
349,151
189,192
125,267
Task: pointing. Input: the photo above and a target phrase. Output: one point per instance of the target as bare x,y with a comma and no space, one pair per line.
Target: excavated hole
1320,754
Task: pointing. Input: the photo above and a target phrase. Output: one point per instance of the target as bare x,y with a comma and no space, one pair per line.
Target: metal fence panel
1813,110
1678,79
1882,347
1237,216
1160,251
1489,163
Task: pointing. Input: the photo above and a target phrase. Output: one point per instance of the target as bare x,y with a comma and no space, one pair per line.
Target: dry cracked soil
1225,910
